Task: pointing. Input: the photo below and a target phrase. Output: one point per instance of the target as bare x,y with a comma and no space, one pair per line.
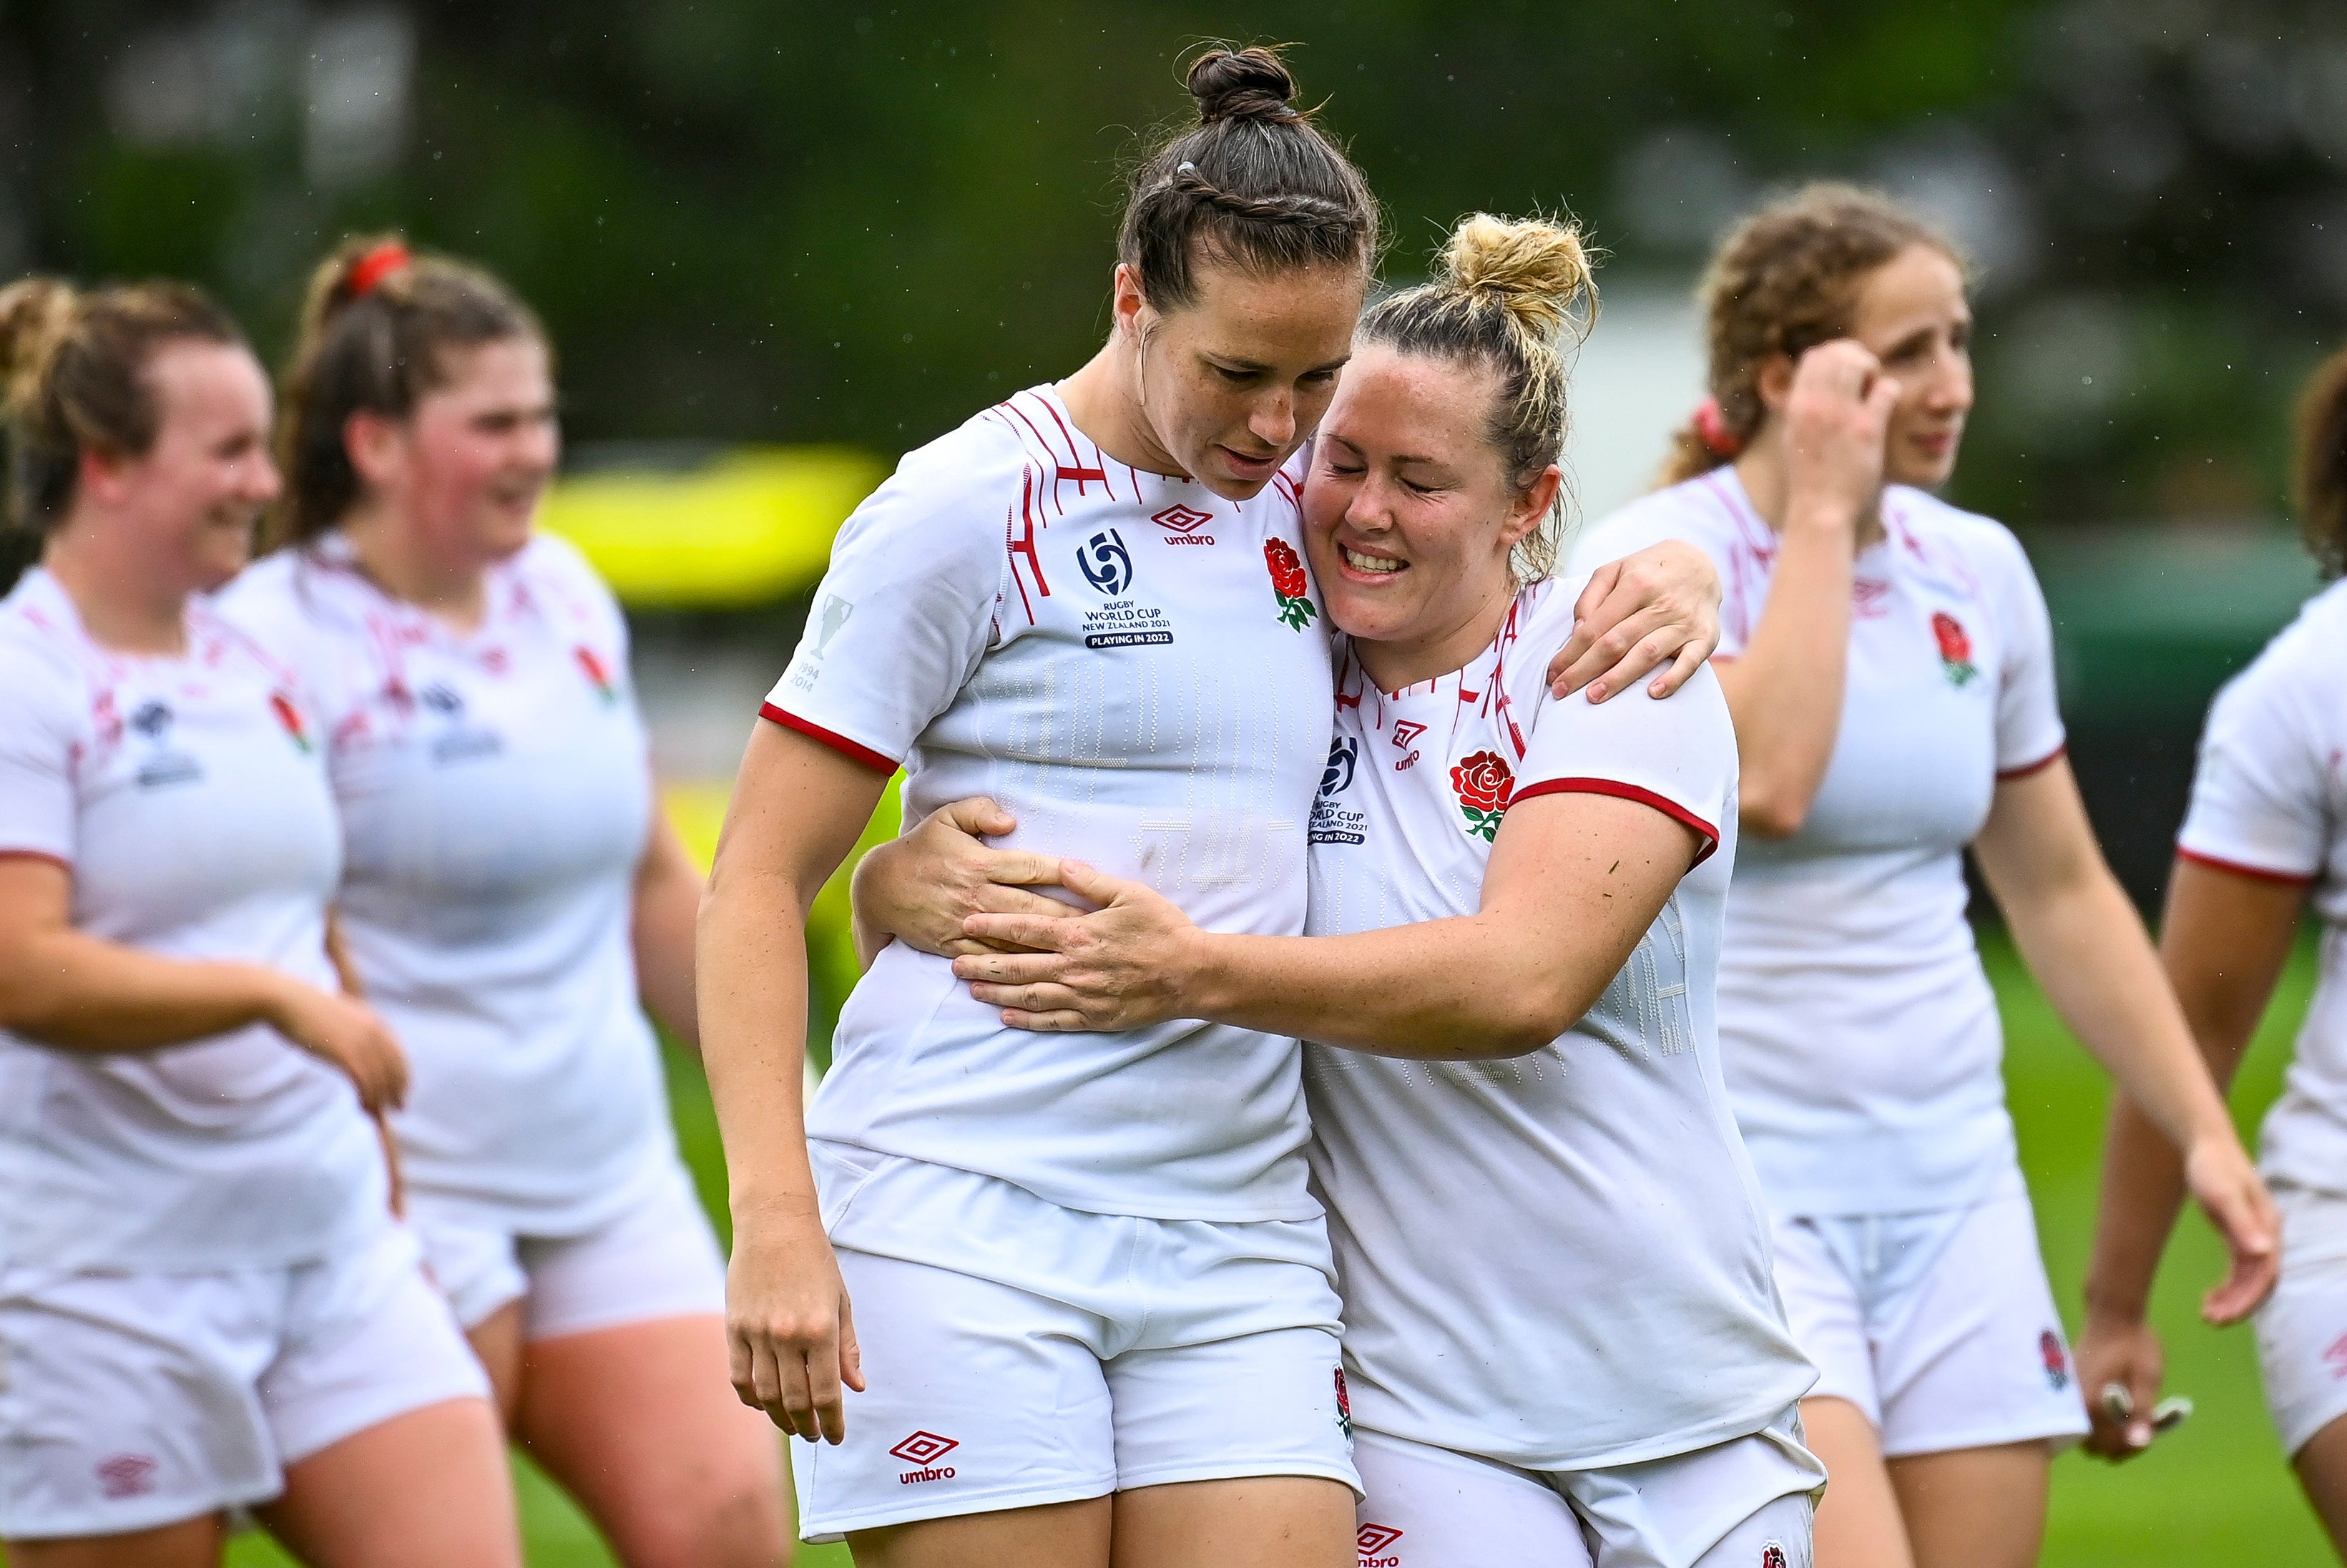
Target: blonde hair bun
35,315
1537,270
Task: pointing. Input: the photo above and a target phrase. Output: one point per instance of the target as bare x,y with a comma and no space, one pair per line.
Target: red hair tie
1711,429
376,265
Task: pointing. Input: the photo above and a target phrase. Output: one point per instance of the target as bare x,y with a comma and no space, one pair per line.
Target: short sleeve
2029,734
39,734
1691,514
1675,753
908,606
2261,795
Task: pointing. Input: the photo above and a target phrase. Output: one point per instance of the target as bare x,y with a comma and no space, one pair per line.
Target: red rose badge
597,676
1955,648
1483,783
290,717
1288,583
2058,1361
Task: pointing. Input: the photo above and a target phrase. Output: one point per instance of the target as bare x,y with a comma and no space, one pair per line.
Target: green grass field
2214,1495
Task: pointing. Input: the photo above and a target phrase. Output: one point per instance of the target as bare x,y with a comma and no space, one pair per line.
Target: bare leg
496,1341
2322,1467
1975,1507
1255,1522
1059,1535
427,1489
1859,1524
640,1425
191,1543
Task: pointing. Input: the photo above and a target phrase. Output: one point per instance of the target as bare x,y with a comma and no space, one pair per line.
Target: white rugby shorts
1063,1355
1743,1503
1939,1325
133,1401
2303,1327
658,1257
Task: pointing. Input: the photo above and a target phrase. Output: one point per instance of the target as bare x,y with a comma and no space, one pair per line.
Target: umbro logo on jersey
922,1450
1106,564
1371,1543
1405,737
1183,523
126,1475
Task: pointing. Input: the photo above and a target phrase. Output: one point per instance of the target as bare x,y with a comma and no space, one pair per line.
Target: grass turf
2213,1495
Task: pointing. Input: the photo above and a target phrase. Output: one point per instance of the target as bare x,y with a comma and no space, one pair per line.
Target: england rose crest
1483,783
1955,648
1288,583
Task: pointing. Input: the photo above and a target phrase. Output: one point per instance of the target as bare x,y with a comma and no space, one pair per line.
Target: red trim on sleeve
59,861
2254,873
2025,769
840,744
1621,791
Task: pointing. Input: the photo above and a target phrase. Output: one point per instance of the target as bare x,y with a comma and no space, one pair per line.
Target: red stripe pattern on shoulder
1708,832
837,743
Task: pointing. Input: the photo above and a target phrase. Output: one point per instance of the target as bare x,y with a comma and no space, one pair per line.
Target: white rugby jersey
495,793
1138,669
1558,1260
1859,1033
186,797
2269,801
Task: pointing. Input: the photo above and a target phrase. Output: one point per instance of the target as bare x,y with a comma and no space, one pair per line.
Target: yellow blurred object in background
748,526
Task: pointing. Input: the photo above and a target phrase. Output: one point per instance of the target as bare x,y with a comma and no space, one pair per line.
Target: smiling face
1409,513
1911,313
467,468
195,497
1233,383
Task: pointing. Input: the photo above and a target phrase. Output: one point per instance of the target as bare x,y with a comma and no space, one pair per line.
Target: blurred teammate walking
205,1304
2263,841
513,898
1888,662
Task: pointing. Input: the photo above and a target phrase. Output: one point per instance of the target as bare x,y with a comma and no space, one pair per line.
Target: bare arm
667,903
798,808
1574,882
80,992
2224,942
1658,607
1785,687
2090,952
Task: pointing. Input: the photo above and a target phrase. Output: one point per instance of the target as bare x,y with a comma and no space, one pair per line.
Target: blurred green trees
773,219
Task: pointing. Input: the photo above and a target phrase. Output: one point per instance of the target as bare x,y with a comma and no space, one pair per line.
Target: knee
737,1522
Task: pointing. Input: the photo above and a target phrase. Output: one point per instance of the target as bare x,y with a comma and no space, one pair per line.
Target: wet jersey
1859,1033
1559,1260
1136,668
186,796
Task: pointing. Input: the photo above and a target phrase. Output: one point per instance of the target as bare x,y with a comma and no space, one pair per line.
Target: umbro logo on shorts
2056,1359
1183,523
922,1450
126,1475
1372,1541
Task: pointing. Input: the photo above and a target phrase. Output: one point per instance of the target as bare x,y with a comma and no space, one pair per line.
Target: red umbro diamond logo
126,1475
1405,733
1182,519
1373,1540
924,1447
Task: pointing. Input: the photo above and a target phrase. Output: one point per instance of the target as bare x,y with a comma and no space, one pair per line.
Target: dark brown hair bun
1250,84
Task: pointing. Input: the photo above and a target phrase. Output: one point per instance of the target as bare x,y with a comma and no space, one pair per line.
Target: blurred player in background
205,1303
513,899
1563,1341
1092,1293
1888,662
2266,835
